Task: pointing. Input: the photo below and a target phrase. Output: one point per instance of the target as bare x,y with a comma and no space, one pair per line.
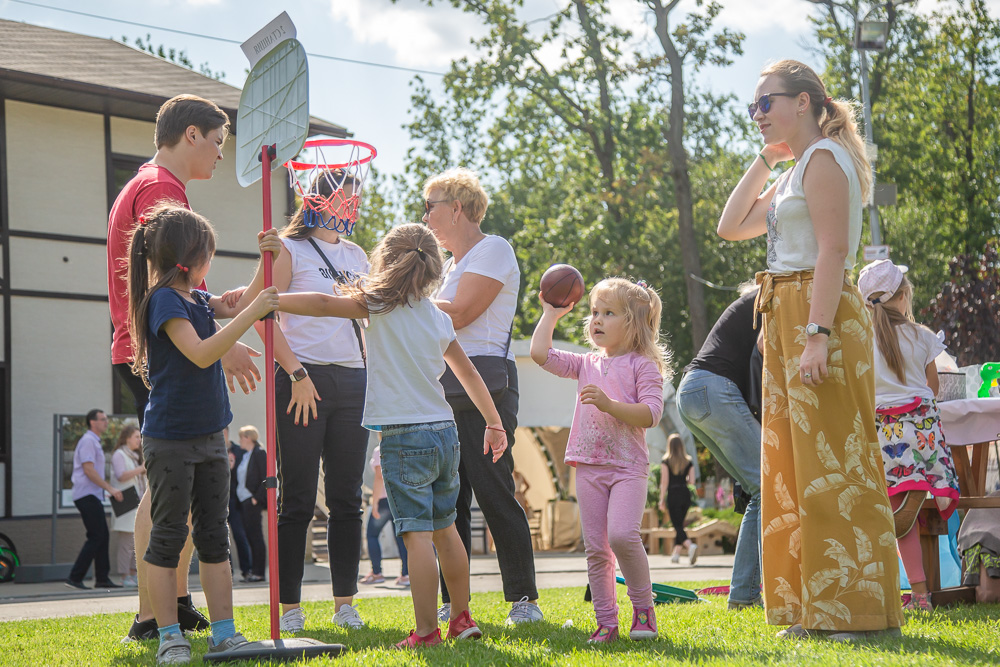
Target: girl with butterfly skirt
917,460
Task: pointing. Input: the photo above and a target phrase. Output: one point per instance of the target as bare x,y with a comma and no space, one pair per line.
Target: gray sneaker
348,617
524,612
293,620
227,644
444,612
173,650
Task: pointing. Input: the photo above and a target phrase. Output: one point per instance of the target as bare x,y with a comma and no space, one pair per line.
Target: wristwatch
812,329
299,374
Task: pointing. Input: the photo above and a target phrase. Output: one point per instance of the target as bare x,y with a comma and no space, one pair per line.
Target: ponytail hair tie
642,284
828,101
142,220
182,268
417,249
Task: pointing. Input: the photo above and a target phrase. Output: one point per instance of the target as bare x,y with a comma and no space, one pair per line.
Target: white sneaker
676,557
523,611
348,617
293,620
444,612
693,553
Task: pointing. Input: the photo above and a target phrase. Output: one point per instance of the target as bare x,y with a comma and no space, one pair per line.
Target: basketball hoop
331,185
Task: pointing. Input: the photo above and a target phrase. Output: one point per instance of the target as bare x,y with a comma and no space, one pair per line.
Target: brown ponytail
886,317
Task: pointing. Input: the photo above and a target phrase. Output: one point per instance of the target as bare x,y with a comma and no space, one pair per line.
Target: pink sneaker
604,634
416,641
643,624
919,602
463,627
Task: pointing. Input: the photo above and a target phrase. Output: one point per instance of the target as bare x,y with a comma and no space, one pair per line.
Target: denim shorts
420,469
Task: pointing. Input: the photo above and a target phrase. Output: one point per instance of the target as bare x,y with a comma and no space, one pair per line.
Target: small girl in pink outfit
621,395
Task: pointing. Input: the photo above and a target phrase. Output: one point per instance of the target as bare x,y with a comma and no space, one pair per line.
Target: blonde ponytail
836,118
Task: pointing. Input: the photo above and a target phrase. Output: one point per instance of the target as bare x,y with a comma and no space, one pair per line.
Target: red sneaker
416,641
605,634
463,627
643,624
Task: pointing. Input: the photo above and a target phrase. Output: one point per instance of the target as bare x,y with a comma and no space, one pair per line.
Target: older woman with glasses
479,292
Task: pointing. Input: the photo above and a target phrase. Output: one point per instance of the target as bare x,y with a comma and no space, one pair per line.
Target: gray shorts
188,476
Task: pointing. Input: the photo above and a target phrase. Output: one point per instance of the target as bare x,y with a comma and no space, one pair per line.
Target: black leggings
338,438
678,504
140,392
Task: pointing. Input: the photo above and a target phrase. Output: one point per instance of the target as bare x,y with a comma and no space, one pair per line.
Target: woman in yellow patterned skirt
829,549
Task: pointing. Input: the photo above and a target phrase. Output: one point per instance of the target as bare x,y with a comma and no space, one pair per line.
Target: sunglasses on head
764,103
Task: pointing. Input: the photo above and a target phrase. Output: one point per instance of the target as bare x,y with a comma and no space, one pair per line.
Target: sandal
372,578
905,515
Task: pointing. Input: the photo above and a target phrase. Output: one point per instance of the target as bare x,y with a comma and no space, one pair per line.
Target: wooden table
970,424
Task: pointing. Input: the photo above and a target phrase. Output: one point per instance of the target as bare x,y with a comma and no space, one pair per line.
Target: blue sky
374,102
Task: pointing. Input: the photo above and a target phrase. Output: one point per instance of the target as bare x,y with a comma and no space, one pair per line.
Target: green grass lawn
703,633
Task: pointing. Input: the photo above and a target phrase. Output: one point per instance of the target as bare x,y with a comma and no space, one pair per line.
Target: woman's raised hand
266,302
269,241
777,153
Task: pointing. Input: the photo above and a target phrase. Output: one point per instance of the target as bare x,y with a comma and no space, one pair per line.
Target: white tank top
791,242
322,340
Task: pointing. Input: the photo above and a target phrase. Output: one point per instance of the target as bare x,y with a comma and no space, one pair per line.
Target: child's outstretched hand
548,308
591,394
265,302
495,441
269,242
233,296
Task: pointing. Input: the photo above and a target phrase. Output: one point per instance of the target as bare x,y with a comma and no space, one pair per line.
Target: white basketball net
332,182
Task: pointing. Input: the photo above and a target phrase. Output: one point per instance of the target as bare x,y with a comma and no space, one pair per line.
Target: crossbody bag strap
343,280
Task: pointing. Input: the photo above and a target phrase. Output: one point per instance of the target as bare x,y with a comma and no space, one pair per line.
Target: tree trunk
674,134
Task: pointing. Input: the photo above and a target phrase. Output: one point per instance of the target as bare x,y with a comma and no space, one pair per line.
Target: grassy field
703,634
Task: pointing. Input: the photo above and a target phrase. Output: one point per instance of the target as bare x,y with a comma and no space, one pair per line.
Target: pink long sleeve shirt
597,438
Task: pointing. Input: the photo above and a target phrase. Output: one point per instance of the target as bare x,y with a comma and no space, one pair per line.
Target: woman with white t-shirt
479,293
824,507
319,401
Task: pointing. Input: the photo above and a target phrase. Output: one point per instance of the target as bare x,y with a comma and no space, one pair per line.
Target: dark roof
42,65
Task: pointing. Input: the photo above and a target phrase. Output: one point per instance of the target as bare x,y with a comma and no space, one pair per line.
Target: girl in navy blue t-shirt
177,350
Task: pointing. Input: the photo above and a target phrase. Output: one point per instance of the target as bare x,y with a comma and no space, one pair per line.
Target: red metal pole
272,441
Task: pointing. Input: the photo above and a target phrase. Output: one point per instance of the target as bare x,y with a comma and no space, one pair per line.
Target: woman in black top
676,472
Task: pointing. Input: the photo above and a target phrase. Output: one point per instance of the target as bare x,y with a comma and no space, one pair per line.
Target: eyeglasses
764,103
430,202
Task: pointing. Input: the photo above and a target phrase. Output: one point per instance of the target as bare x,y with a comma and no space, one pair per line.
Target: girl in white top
823,488
917,459
409,340
127,471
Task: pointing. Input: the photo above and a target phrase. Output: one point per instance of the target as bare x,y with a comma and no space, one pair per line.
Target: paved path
554,570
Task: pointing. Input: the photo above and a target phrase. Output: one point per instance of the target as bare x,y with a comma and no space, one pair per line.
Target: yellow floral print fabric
829,546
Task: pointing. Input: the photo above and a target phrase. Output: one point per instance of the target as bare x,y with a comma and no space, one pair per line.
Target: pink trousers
611,504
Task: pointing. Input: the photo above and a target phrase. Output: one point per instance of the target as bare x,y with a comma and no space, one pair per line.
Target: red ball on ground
562,285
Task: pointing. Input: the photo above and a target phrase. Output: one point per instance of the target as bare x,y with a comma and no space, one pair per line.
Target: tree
967,308
176,57
936,118
575,151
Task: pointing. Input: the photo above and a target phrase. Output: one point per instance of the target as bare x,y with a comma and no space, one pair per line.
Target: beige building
76,121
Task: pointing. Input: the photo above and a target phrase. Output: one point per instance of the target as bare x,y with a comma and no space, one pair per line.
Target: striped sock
223,630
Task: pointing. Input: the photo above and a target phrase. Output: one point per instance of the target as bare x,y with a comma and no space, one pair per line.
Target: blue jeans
375,529
715,411
420,469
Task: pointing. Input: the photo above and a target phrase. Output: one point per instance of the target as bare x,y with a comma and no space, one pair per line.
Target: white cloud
418,36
